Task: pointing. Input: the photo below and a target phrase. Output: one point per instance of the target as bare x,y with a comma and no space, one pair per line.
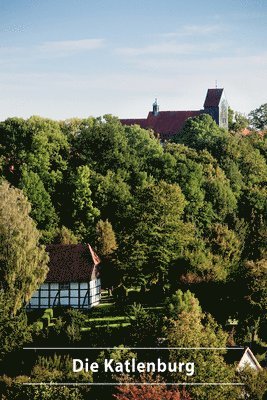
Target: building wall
213,112
223,113
74,294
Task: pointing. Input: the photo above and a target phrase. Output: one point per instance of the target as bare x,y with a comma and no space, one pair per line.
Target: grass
118,318
106,326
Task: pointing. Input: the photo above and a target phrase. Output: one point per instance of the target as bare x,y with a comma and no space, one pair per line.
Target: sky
78,58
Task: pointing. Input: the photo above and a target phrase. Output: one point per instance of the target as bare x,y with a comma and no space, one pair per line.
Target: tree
15,140
105,239
206,188
150,392
14,330
102,144
23,262
48,155
255,384
252,309
42,210
112,195
158,234
180,302
258,117
198,132
236,121
84,212
145,326
65,236
192,328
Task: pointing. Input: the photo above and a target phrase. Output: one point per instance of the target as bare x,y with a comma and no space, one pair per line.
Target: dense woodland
184,221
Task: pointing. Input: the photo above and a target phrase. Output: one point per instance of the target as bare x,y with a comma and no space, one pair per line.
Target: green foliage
112,195
16,389
236,121
105,239
158,235
48,153
181,302
14,330
253,308
65,236
255,384
74,321
84,213
190,212
120,294
101,143
258,117
193,329
23,262
198,132
145,326
46,320
43,211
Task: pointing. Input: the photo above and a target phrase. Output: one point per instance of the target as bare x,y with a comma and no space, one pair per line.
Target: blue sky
76,58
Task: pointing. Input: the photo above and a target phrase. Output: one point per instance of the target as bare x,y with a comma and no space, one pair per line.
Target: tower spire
155,107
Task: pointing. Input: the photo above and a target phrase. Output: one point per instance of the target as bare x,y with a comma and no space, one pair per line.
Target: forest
180,228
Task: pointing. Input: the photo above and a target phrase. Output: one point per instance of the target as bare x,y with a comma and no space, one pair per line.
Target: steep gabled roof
213,98
142,122
248,359
168,123
71,263
165,123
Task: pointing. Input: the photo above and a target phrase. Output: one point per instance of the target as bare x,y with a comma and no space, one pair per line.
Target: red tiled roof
71,263
135,121
168,123
213,98
165,123
247,132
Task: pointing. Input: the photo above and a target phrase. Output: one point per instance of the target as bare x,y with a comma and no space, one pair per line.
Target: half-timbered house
73,279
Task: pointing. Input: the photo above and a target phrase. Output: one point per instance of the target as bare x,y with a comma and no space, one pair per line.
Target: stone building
166,124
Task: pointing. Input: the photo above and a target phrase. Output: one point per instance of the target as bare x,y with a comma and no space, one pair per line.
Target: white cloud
71,46
193,30
169,48
46,49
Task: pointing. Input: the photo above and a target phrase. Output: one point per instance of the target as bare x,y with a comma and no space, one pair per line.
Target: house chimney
155,108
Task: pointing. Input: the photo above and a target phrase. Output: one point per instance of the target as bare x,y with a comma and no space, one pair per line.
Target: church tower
217,107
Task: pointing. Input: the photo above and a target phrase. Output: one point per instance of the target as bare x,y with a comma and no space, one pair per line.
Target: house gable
248,360
73,279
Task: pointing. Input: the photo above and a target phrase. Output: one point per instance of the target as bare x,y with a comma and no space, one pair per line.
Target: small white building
248,360
73,279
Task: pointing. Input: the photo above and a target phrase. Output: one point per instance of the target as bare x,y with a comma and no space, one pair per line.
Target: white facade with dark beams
73,279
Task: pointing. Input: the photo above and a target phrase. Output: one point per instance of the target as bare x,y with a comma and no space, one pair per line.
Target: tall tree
14,330
23,262
42,210
84,212
158,235
258,117
236,121
191,328
105,239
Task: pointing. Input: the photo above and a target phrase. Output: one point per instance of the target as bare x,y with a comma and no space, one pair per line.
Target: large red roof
213,98
142,122
168,123
165,123
71,263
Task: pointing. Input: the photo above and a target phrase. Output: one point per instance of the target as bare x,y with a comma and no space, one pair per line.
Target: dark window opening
64,286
